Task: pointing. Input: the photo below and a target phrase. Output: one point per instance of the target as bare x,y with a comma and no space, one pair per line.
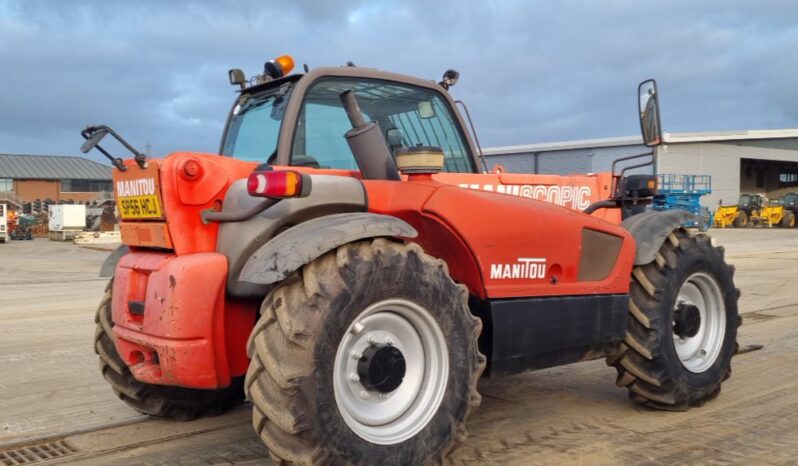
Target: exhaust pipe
368,144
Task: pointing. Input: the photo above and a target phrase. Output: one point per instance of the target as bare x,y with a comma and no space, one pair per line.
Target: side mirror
93,140
649,113
237,77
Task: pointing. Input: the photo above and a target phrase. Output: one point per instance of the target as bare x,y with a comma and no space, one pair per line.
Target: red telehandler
329,265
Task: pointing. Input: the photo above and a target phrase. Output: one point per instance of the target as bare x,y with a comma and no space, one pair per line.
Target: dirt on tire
293,345
647,362
178,403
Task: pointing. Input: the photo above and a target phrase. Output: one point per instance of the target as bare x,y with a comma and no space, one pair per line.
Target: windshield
745,199
255,125
789,199
408,116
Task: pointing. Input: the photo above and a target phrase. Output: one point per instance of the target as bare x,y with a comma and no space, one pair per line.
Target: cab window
407,115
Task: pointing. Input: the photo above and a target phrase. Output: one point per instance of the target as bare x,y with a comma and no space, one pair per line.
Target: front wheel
741,221
368,355
682,329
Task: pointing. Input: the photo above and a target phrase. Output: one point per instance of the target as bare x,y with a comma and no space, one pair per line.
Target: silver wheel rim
391,418
699,352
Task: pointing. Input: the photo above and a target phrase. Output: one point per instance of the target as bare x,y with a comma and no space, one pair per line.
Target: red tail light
278,184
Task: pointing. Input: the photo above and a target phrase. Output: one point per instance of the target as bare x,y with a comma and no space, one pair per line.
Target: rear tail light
278,184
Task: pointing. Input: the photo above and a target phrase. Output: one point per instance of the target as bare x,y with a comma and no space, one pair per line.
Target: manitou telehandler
347,263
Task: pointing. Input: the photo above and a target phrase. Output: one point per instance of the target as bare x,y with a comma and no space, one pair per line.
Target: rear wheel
682,328
368,355
178,403
789,220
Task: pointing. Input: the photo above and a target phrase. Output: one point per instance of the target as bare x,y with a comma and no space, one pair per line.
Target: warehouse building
28,178
761,161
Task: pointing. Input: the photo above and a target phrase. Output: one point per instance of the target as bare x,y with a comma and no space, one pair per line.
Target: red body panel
192,335
188,336
486,230
575,192
572,191
184,198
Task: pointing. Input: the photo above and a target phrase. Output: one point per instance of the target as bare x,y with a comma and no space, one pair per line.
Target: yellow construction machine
725,216
754,210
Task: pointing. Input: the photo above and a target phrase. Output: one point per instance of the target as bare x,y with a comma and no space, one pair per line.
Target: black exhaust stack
367,144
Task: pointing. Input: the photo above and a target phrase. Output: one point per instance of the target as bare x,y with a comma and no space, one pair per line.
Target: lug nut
357,328
353,377
356,355
389,341
365,395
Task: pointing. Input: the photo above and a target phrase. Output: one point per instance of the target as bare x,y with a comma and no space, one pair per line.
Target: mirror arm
630,157
615,178
89,134
140,158
118,163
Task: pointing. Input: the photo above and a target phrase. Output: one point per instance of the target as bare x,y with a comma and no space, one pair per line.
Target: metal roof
720,136
564,145
670,138
51,167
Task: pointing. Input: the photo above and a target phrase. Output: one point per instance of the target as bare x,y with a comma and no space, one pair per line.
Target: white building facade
764,161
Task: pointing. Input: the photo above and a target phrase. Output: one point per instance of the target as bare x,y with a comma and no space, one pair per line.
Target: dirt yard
51,390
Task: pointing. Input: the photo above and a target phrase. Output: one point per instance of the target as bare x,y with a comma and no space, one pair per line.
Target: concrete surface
50,386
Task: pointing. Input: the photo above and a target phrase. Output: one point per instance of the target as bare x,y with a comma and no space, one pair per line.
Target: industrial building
28,178
757,161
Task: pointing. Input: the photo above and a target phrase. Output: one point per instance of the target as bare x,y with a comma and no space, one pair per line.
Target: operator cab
749,202
299,120
790,201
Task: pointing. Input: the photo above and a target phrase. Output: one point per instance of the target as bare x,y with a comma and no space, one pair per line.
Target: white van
3,223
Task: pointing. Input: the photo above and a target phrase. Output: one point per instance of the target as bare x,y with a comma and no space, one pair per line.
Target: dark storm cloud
530,71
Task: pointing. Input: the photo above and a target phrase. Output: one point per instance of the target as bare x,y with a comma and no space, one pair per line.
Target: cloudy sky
530,71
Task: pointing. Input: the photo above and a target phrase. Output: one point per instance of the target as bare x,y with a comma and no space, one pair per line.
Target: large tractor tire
366,356
741,220
682,329
788,221
183,404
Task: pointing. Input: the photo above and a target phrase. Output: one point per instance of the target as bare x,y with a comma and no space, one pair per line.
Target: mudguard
108,269
650,229
300,245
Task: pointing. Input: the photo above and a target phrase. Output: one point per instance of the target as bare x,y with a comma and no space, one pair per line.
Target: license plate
140,207
137,192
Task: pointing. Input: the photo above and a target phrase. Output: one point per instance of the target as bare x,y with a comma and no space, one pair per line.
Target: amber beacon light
279,67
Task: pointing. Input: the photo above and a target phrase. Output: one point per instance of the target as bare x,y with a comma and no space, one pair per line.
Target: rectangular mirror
649,113
93,140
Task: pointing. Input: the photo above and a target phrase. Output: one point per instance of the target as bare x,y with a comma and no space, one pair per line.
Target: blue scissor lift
683,192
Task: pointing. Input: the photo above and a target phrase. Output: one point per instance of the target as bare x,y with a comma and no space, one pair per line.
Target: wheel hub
699,322
381,368
390,371
686,320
